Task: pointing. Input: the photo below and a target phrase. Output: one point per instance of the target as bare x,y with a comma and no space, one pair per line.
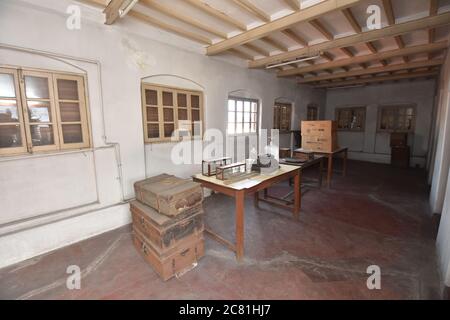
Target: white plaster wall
441,157
86,190
371,145
443,239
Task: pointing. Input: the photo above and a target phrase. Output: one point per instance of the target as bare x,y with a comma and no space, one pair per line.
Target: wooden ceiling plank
294,4
240,54
112,11
172,12
252,9
203,6
274,43
379,79
398,29
295,37
368,58
376,70
283,23
257,49
168,27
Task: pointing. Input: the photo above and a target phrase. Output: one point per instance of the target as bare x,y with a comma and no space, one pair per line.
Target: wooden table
252,185
330,156
317,161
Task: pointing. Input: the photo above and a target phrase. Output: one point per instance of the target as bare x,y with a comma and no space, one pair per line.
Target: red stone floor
377,215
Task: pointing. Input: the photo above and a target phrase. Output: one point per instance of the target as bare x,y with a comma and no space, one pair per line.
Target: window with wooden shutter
47,111
399,118
282,117
351,119
171,113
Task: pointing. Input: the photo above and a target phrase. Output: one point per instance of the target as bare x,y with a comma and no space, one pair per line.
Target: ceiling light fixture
298,60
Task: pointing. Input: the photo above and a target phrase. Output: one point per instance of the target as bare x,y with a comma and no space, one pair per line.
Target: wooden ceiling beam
389,10
171,12
368,58
256,49
411,75
283,23
240,54
168,27
295,37
376,70
397,29
112,10
294,4
274,43
252,9
434,8
206,8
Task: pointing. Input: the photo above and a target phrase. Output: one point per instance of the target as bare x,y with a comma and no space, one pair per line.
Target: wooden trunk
163,232
184,257
168,194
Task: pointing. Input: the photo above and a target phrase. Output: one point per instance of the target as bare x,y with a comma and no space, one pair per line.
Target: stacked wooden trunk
168,223
319,136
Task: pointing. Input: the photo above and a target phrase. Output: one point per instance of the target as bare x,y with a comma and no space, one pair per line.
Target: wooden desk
330,156
317,161
253,185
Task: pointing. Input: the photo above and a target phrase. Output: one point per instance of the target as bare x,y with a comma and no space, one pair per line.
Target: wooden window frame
396,107
277,117
236,98
21,123
53,100
356,108
312,107
189,108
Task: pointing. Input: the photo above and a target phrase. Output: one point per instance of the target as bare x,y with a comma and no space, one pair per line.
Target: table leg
297,194
256,199
239,198
330,170
344,171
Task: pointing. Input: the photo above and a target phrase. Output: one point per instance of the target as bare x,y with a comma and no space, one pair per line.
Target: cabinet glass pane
153,130
152,114
168,115
182,100
8,111
10,136
7,89
151,97
182,114
67,89
195,115
167,98
42,135
36,87
72,133
195,101
39,111
168,130
70,112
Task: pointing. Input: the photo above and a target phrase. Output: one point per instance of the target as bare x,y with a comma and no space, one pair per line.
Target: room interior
102,101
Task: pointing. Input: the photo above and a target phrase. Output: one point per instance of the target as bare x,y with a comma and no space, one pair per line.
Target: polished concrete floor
376,215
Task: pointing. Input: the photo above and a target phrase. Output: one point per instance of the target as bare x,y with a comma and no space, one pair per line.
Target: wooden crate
318,128
164,232
320,143
184,257
168,194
